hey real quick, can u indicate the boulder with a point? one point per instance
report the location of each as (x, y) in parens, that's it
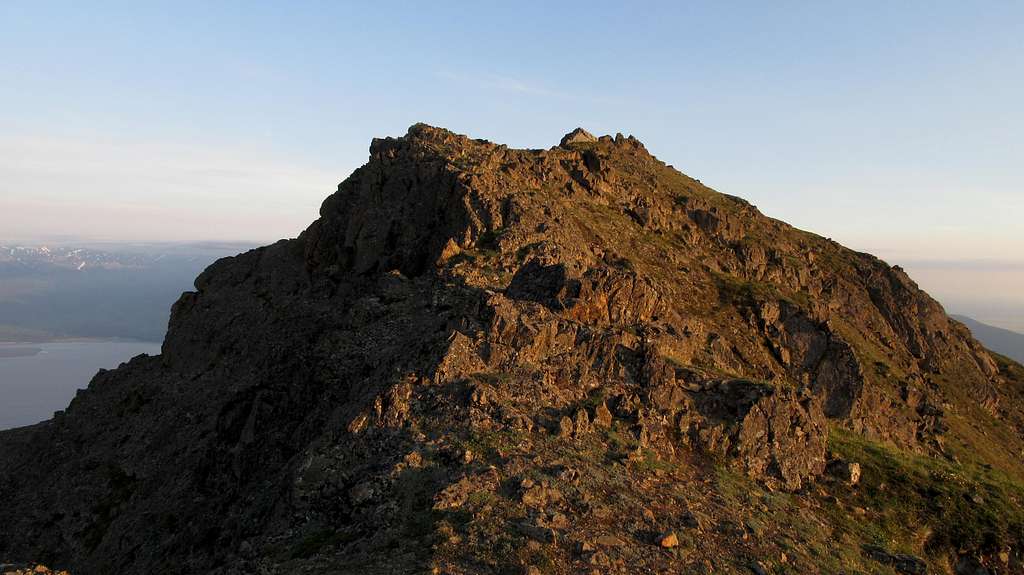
(602, 416)
(900, 562)
(668, 540)
(845, 471)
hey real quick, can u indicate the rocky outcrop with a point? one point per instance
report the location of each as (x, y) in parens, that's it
(776, 435)
(485, 360)
(577, 136)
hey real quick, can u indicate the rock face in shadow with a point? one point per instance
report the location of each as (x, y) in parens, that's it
(776, 435)
(468, 359)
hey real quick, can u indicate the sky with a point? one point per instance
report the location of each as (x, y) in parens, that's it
(892, 127)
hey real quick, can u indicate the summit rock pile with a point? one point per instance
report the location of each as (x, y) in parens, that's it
(488, 360)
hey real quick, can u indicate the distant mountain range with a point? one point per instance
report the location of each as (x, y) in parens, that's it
(97, 290)
(997, 339)
(78, 259)
(17, 258)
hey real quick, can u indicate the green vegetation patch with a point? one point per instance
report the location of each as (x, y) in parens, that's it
(742, 292)
(489, 444)
(489, 239)
(962, 506)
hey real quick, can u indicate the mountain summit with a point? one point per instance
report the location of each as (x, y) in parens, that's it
(488, 360)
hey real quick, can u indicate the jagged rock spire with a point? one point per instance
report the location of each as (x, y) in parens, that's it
(577, 136)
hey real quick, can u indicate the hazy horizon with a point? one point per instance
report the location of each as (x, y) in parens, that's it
(985, 290)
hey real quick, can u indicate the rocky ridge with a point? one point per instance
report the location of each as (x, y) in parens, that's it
(488, 360)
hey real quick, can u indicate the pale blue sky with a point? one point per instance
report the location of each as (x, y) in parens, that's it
(893, 127)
